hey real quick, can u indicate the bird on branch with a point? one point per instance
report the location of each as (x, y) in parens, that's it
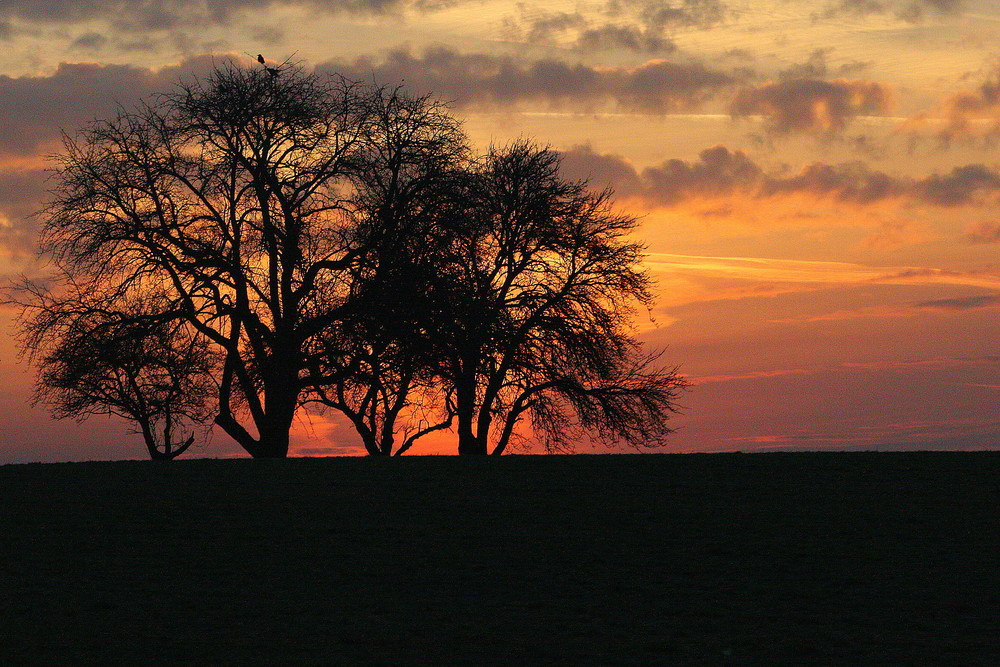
(273, 71)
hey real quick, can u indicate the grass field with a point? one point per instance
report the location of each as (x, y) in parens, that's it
(834, 559)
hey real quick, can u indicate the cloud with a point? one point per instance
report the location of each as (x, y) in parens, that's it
(852, 182)
(911, 11)
(142, 15)
(89, 41)
(659, 14)
(36, 108)
(631, 38)
(642, 26)
(720, 172)
(812, 105)
(963, 303)
(816, 66)
(966, 114)
(544, 26)
(657, 86)
(21, 194)
(959, 186)
(984, 232)
(756, 375)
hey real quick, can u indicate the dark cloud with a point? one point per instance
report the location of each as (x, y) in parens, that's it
(717, 173)
(581, 163)
(848, 182)
(665, 15)
(720, 172)
(548, 25)
(984, 232)
(658, 86)
(962, 303)
(89, 41)
(631, 38)
(912, 11)
(36, 108)
(815, 67)
(812, 105)
(642, 26)
(740, 54)
(960, 185)
(165, 14)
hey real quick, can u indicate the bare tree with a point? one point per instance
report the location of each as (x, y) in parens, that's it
(141, 364)
(410, 189)
(544, 282)
(232, 196)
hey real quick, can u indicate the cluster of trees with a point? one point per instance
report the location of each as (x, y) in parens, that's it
(260, 242)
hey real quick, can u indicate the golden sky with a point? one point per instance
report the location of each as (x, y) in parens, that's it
(818, 182)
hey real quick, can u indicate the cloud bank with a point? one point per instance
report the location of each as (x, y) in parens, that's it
(720, 172)
(497, 81)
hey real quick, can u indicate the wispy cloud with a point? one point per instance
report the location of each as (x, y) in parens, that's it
(757, 375)
(963, 303)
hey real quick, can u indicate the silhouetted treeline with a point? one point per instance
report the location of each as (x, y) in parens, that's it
(267, 240)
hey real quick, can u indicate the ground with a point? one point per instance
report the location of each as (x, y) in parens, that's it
(763, 559)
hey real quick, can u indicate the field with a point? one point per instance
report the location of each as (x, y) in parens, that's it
(808, 558)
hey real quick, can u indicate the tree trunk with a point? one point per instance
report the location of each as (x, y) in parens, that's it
(465, 407)
(273, 442)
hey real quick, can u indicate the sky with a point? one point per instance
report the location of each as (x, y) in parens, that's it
(817, 184)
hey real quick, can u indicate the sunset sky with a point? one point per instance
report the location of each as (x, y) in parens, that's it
(817, 182)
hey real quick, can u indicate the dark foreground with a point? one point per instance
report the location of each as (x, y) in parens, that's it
(704, 559)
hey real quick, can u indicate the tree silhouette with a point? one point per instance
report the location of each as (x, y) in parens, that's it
(228, 195)
(141, 364)
(544, 283)
(410, 189)
(251, 244)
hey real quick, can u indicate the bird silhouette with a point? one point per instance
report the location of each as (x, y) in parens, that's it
(260, 59)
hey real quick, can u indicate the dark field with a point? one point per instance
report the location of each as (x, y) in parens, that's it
(700, 559)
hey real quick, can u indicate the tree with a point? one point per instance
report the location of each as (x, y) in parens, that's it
(236, 197)
(410, 186)
(544, 281)
(139, 364)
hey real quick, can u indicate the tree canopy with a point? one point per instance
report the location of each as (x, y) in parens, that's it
(264, 241)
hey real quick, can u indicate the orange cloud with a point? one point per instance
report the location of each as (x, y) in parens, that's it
(966, 114)
(983, 232)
